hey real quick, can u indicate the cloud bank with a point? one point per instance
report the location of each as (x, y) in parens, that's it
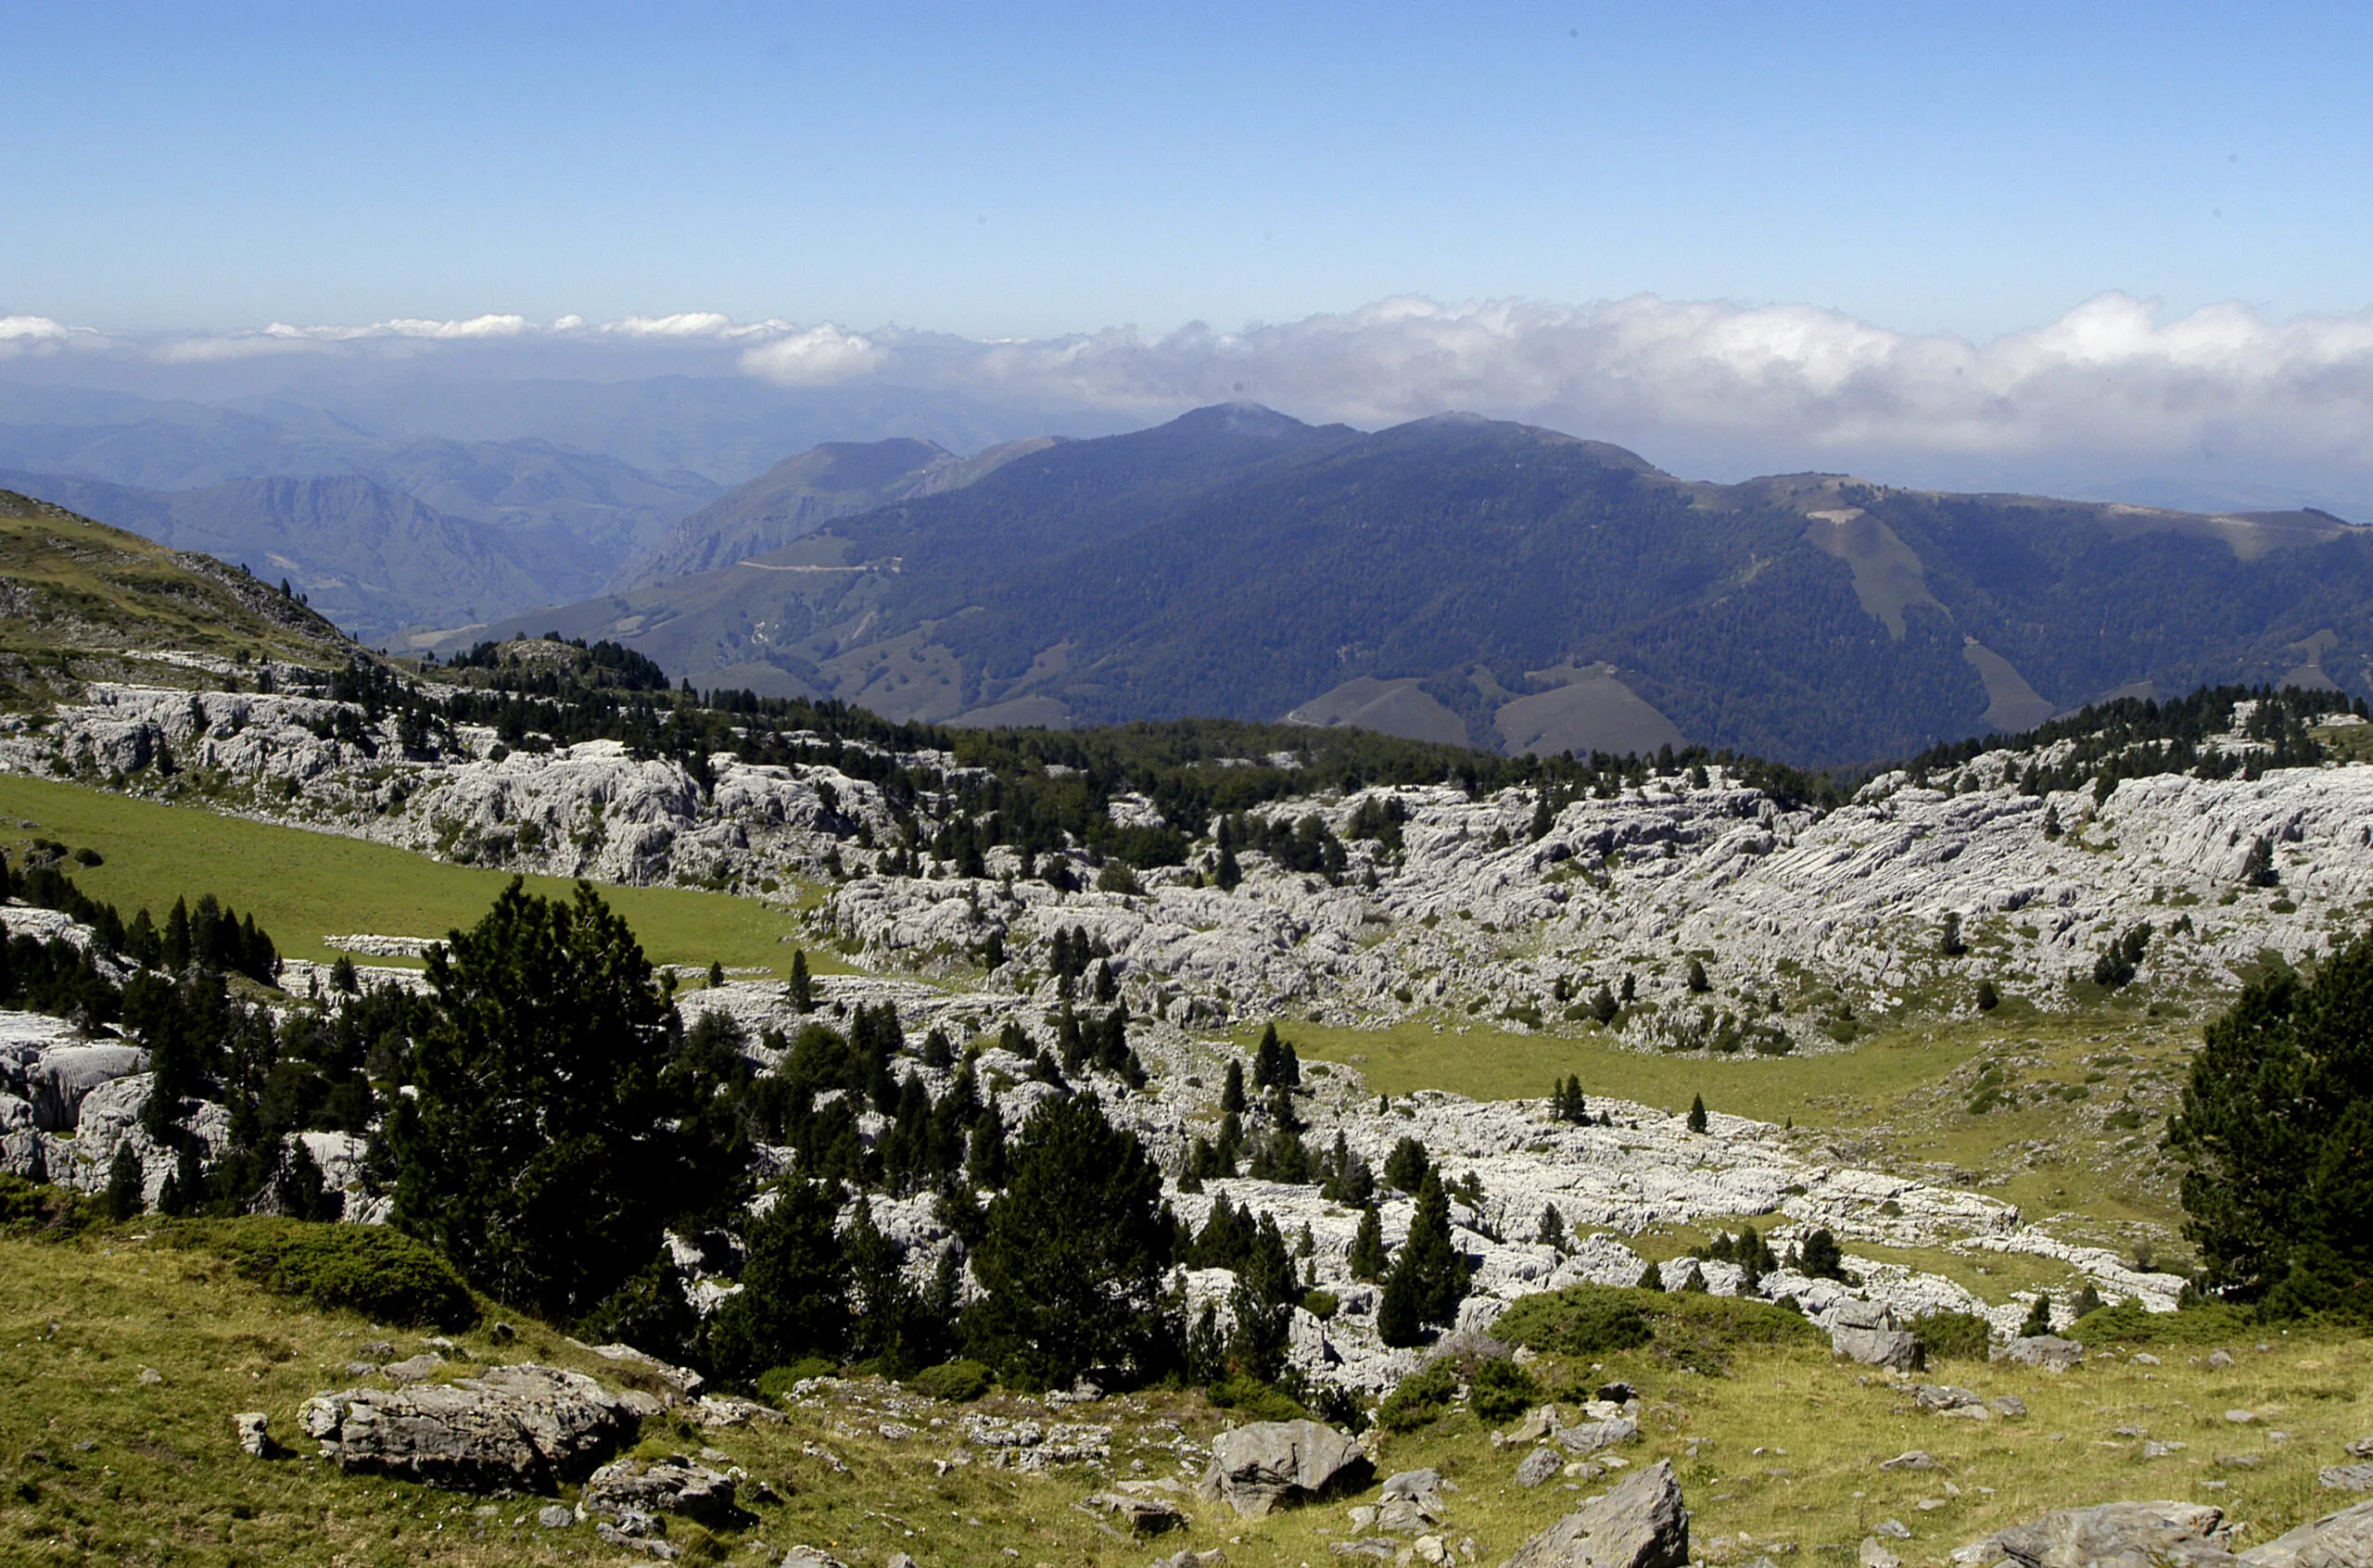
(2116, 381)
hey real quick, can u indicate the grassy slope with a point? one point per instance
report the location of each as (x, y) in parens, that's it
(1788, 1446)
(86, 588)
(303, 886)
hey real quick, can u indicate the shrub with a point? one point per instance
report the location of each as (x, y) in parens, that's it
(1582, 1320)
(1953, 1337)
(1502, 1391)
(776, 1383)
(1262, 1402)
(371, 1270)
(1699, 1332)
(957, 1382)
(2212, 1322)
(1321, 1304)
(1424, 1397)
(31, 1206)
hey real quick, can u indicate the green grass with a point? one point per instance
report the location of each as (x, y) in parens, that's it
(1772, 1439)
(1486, 1064)
(304, 886)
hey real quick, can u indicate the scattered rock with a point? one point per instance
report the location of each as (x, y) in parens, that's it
(2047, 1351)
(255, 1439)
(554, 1516)
(2144, 1358)
(2362, 1449)
(1640, 1523)
(1866, 1331)
(2009, 1406)
(151, 1376)
(415, 1368)
(1915, 1459)
(2240, 1418)
(808, 1557)
(1272, 1464)
(1893, 1529)
(1189, 1558)
(1374, 1546)
(1142, 1515)
(1874, 1554)
(1413, 1499)
(1941, 1397)
(2346, 1477)
(2220, 1358)
(2156, 1449)
(1536, 1424)
(2118, 1534)
(2337, 1540)
(1590, 1437)
(1539, 1466)
(673, 1485)
(523, 1428)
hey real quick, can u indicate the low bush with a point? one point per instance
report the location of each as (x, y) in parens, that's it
(380, 1273)
(1583, 1320)
(1251, 1397)
(1502, 1391)
(1698, 1331)
(1953, 1337)
(2213, 1323)
(776, 1383)
(31, 1207)
(1424, 1397)
(957, 1382)
(1321, 1304)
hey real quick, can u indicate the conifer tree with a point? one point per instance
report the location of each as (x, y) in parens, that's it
(793, 1300)
(178, 950)
(1405, 1167)
(1232, 1101)
(1428, 1277)
(2039, 1317)
(984, 1154)
(1652, 1278)
(123, 1197)
(1369, 1259)
(1602, 1005)
(1552, 1228)
(1697, 1114)
(1073, 1260)
(1698, 983)
(1263, 1302)
(803, 986)
(1821, 1256)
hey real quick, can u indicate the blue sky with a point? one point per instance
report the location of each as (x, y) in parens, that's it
(1029, 171)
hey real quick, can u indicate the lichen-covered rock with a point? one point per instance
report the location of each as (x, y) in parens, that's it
(2117, 1535)
(2337, 1540)
(512, 1429)
(674, 1484)
(1640, 1523)
(1274, 1465)
(2047, 1351)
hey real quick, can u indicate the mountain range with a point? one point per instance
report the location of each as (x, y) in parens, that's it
(1464, 579)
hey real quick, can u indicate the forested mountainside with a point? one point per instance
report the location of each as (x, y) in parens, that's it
(1514, 589)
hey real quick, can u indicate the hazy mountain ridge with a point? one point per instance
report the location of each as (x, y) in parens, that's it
(1240, 563)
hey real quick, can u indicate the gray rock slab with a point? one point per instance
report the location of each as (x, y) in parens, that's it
(514, 1429)
(1274, 1465)
(2337, 1540)
(1640, 1523)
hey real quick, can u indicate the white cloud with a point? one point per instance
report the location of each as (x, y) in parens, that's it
(815, 358)
(692, 323)
(31, 334)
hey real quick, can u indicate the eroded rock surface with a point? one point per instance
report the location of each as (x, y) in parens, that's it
(512, 1429)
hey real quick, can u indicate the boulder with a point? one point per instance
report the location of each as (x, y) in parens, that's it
(65, 1076)
(1590, 1437)
(2346, 1477)
(1413, 1499)
(2048, 1351)
(1640, 1523)
(1539, 1466)
(514, 1429)
(808, 1557)
(674, 1484)
(1142, 1515)
(1273, 1465)
(2118, 1534)
(1874, 1554)
(2337, 1540)
(1942, 1397)
(254, 1430)
(1865, 1331)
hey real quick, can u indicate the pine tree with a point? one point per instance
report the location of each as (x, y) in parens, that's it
(803, 987)
(123, 1197)
(2088, 1302)
(177, 950)
(1368, 1259)
(1652, 1278)
(540, 1149)
(1698, 983)
(795, 1297)
(1552, 1228)
(1821, 1258)
(716, 974)
(1266, 1067)
(1405, 1167)
(2038, 1316)
(1602, 1005)
(1232, 1101)
(1428, 1277)
(1697, 1114)
(984, 1156)
(1072, 1264)
(1227, 875)
(1263, 1302)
